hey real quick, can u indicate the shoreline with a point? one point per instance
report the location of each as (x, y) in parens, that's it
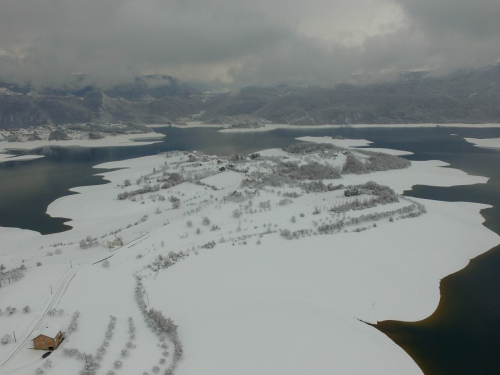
(125, 140)
(270, 127)
(487, 143)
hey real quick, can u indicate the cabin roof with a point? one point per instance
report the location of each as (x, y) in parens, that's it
(50, 330)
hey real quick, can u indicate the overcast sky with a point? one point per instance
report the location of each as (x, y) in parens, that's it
(242, 42)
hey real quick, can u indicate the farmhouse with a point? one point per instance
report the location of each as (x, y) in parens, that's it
(48, 337)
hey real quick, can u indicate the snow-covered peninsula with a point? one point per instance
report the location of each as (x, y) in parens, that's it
(268, 263)
(485, 142)
(131, 139)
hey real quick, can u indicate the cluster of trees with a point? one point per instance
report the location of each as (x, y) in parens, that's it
(164, 262)
(413, 210)
(160, 325)
(13, 274)
(296, 234)
(379, 194)
(118, 364)
(291, 173)
(172, 180)
(143, 190)
(88, 242)
(92, 363)
(375, 162)
(209, 245)
(176, 202)
(309, 147)
(310, 171)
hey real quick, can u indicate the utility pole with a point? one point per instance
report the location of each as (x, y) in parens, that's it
(14, 336)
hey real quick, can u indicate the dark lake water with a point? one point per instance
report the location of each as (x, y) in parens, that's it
(462, 336)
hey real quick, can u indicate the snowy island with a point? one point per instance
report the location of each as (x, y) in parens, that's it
(268, 263)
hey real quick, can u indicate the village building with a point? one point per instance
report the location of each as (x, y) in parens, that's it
(48, 338)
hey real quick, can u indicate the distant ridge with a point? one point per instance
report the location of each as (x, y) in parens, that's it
(465, 96)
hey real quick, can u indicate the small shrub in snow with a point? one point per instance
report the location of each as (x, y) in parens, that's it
(70, 352)
(39, 371)
(54, 312)
(236, 214)
(88, 242)
(117, 364)
(286, 233)
(293, 219)
(189, 223)
(6, 339)
(125, 353)
(26, 309)
(206, 221)
(105, 264)
(38, 264)
(209, 245)
(10, 310)
(48, 363)
(58, 251)
(156, 369)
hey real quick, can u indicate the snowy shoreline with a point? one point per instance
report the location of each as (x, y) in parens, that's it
(485, 143)
(111, 141)
(270, 127)
(256, 302)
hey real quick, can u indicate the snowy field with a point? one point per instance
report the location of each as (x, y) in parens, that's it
(267, 263)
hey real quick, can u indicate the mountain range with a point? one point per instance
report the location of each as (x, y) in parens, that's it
(465, 96)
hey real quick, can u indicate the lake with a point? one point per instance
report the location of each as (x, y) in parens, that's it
(461, 337)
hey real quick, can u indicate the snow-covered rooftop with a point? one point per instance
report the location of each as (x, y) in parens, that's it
(50, 330)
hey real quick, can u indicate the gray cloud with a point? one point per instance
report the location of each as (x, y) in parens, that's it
(110, 41)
